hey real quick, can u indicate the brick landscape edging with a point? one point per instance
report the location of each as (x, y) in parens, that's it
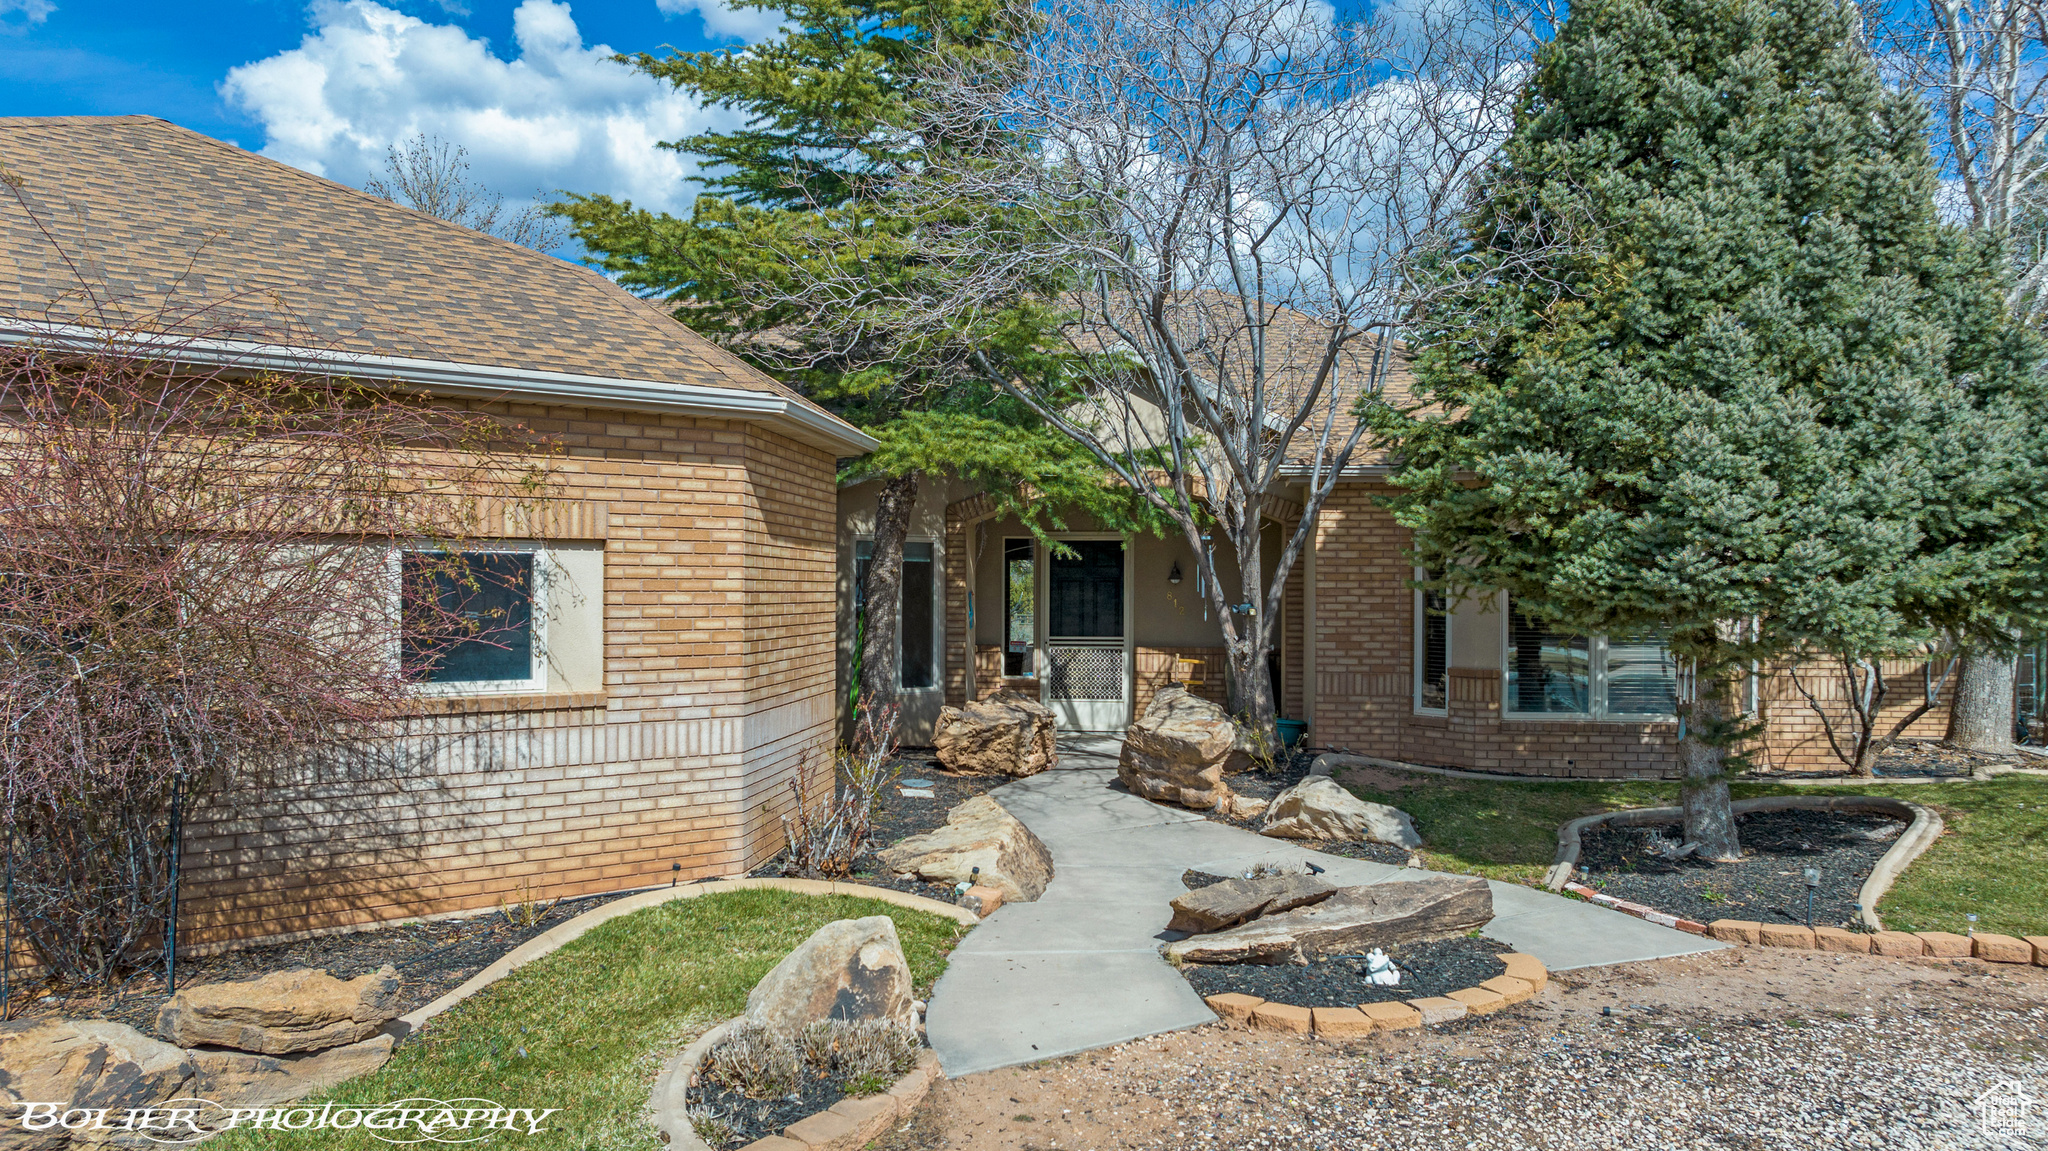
(1991, 948)
(845, 1126)
(1639, 910)
(1923, 829)
(1524, 977)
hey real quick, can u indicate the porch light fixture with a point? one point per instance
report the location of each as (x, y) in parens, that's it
(1174, 575)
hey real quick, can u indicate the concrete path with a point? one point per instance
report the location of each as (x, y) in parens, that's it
(1080, 968)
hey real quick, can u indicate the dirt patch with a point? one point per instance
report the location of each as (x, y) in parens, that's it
(1714, 1051)
(1428, 967)
(1768, 884)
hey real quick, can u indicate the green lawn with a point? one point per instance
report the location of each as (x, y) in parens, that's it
(1991, 861)
(587, 1028)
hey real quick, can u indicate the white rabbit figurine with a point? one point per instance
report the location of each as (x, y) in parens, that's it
(1380, 970)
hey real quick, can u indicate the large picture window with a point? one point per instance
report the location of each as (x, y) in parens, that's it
(468, 620)
(1553, 673)
(917, 660)
(1432, 649)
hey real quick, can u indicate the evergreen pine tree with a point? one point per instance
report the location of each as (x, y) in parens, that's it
(809, 172)
(1728, 366)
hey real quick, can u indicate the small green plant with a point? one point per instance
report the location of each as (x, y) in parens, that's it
(714, 1129)
(869, 1084)
(754, 1061)
(528, 912)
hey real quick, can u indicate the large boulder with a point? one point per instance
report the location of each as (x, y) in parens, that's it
(286, 1011)
(88, 1063)
(978, 833)
(1236, 901)
(1351, 921)
(1005, 734)
(1317, 808)
(246, 1079)
(1179, 751)
(852, 969)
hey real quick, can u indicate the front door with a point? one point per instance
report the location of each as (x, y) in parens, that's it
(1087, 654)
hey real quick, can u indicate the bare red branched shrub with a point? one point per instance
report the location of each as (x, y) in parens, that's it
(200, 588)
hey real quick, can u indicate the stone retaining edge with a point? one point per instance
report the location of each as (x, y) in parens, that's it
(1925, 827)
(1326, 760)
(844, 1126)
(555, 937)
(1639, 910)
(1504, 990)
(1989, 947)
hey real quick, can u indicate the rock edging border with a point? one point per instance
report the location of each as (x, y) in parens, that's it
(1524, 978)
(1925, 827)
(1326, 760)
(556, 937)
(844, 1126)
(1991, 948)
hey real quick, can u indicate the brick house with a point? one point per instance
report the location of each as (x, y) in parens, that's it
(651, 736)
(1373, 665)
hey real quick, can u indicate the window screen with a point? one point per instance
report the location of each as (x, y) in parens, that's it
(467, 618)
(1433, 660)
(1548, 671)
(1087, 590)
(1642, 678)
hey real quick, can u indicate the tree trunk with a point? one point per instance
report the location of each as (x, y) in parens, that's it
(1981, 717)
(1703, 790)
(882, 589)
(1252, 689)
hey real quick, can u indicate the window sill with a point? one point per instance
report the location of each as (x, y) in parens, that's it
(497, 704)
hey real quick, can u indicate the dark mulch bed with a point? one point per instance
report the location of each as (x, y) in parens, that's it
(755, 1119)
(432, 959)
(1428, 967)
(1767, 885)
(897, 817)
(1278, 778)
(1917, 759)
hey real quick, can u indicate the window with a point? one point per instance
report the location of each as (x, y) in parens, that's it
(469, 620)
(917, 654)
(1550, 672)
(1432, 649)
(1020, 608)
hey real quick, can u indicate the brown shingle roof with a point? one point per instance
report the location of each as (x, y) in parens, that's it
(159, 219)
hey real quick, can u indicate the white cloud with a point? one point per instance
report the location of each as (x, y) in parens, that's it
(556, 115)
(30, 11)
(724, 21)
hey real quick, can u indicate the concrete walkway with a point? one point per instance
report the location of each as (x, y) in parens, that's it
(1080, 967)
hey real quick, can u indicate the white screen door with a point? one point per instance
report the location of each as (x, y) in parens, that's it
(1087, 672)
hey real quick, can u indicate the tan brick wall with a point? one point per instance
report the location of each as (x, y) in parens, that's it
(718, 617)
(1364, 682)
(1155, 667)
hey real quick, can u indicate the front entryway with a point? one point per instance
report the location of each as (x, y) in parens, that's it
(1087, 636)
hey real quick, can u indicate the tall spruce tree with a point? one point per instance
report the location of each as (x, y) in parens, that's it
(806, 175)
(1731, 405)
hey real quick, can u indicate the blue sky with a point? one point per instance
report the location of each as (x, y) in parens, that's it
(523, 84)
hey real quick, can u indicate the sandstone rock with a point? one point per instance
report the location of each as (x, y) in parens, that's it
(1179, 750)
(88, 1063)
(850, 969)
(1350, 921)
(302, 1010)
(246, 1079)
(1236, 901)
(981, 899)
(1318, 808)
(1005, 734)
(978, 833)
(1246, 807)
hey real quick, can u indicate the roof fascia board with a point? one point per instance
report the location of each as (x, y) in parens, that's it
(450, 377)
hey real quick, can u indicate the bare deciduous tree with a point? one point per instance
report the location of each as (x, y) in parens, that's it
(1241, 207)
(1855, 736)
(432, 176)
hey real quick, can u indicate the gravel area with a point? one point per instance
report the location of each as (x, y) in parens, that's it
(1767, 885)
(1428, 967)
(1722, 1052)
(1281, 776)
(753, 1119)
(898, 816)
(431, 958)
